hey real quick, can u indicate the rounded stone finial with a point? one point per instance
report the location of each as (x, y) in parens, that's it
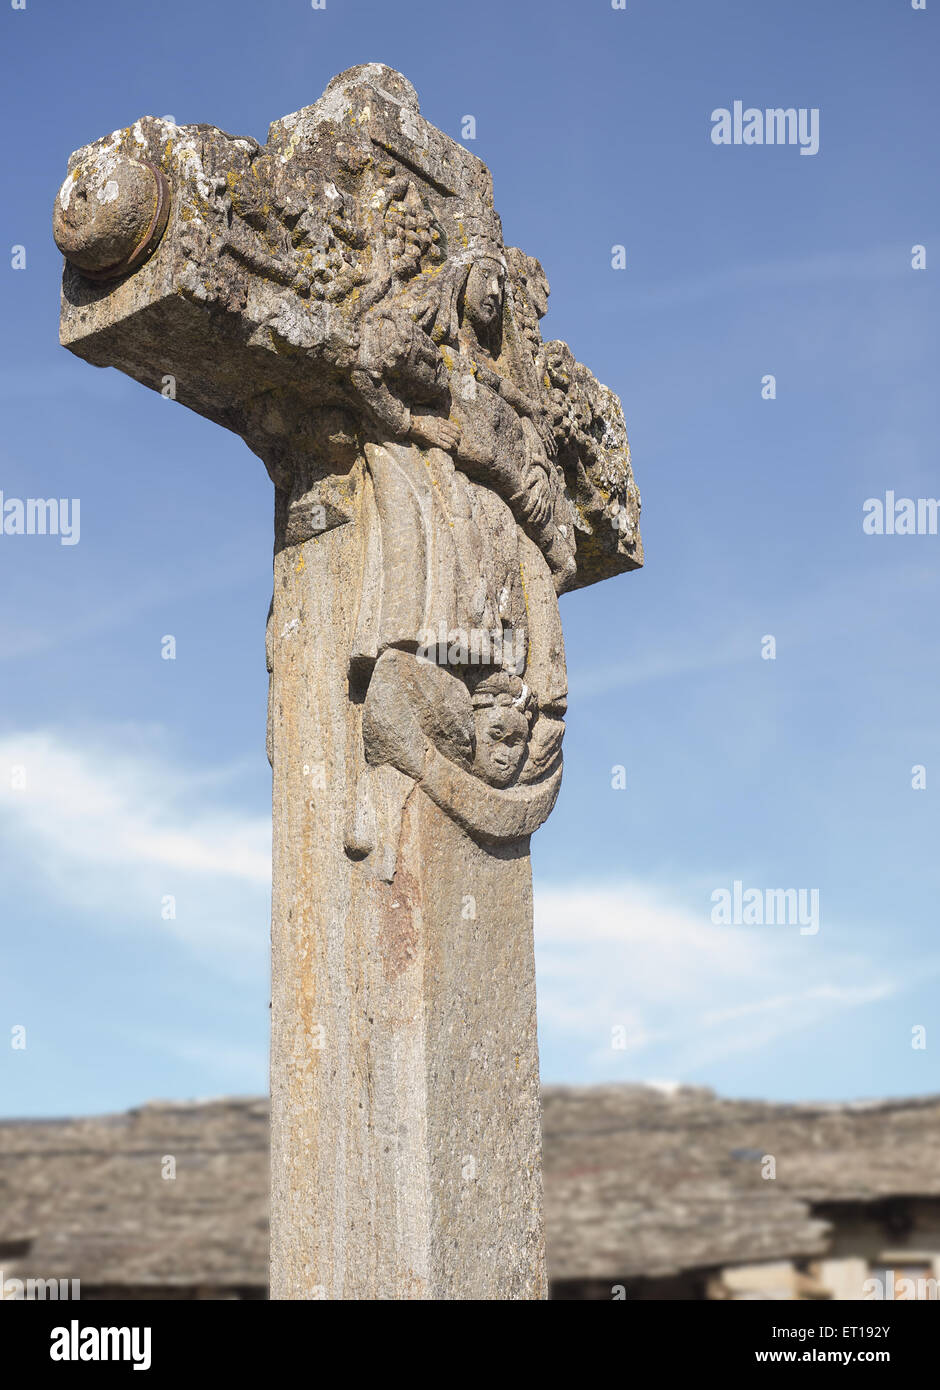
(389, 79)
(110, 215)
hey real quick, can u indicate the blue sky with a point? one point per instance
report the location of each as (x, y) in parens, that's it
(147, 777)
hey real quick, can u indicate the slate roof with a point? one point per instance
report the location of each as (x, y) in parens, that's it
(638, 1182)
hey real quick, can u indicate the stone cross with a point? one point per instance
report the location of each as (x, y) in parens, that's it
(342, 299)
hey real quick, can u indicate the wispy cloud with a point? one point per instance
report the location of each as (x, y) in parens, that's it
(820, 268)
(111, 833)
(682, 992)
(807, 619)
(105, 832)
(681, 658)
(231, 1064)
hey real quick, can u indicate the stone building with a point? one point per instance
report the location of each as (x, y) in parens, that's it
(689, 1196)
(650, 1194)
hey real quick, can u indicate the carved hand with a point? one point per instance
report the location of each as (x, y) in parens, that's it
(511, 393)
(536, 499)
(434, 432)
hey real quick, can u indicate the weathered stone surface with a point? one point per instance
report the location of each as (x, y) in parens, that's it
(341, 298)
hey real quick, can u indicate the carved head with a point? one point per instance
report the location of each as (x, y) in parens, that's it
(483, 296)
(502, 716)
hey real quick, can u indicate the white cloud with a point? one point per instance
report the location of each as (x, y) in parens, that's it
(107, 808)
(106, 833)
(110, 833)
(685, 992)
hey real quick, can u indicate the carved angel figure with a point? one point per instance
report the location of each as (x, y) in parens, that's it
(462, 537)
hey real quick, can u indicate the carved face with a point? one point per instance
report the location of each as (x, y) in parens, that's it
(483, 295)
(502, 732)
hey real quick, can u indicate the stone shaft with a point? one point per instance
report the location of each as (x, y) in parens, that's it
(404, 1061)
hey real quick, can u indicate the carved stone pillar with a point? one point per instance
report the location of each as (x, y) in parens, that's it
(342, 299)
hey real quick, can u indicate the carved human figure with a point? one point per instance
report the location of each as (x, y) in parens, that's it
(478, 460)
(463, 524)
(479, 338)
